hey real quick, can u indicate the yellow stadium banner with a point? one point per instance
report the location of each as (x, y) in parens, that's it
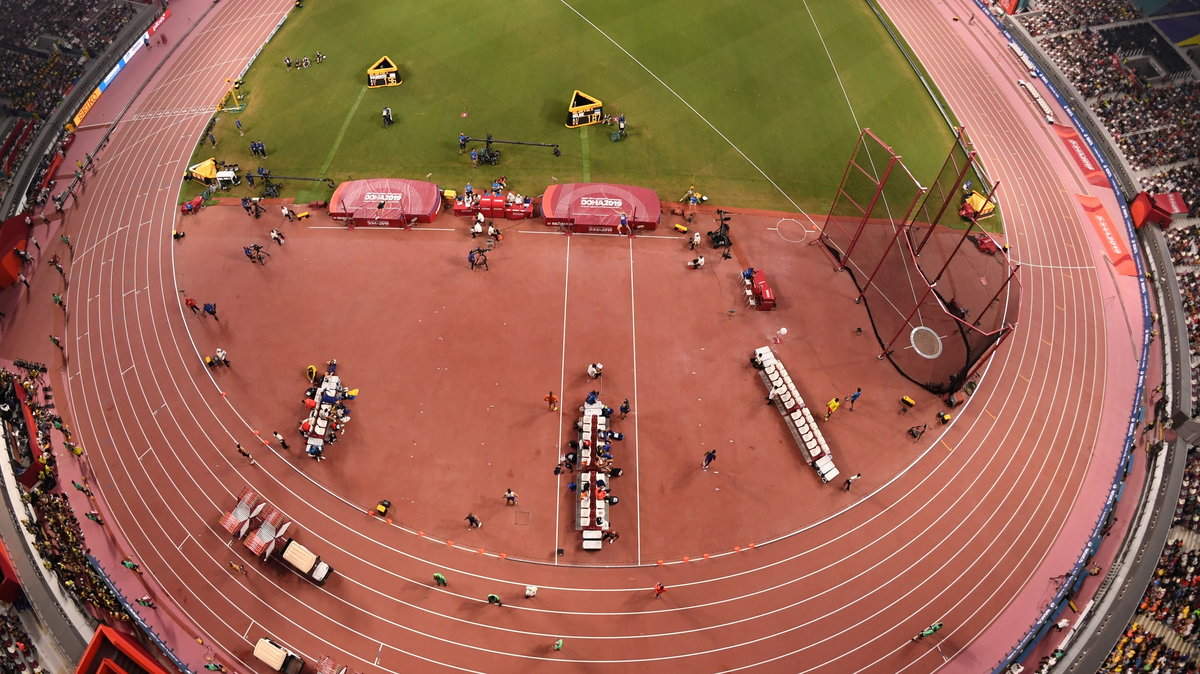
(86, 107)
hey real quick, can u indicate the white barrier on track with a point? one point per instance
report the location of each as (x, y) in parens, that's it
(1024, 58)
(1047, 113)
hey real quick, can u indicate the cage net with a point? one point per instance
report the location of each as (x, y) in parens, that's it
(937, 288)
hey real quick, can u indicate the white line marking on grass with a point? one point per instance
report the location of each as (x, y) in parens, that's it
(684, 101)
(832, 65)
(341, 133)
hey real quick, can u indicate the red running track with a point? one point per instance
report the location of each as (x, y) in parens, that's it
(967, 535)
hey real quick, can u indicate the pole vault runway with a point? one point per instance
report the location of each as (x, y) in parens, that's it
(963, 536)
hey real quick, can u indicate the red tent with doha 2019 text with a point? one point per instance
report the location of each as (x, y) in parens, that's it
(385, 202)
(597, 207)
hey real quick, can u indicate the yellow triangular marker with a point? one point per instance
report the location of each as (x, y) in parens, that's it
(584, 110)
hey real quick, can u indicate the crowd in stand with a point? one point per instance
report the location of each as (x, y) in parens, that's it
(16, 648)
(57, 536)
(59, 541)
(34, 84)
(57, 41)
(1141, 651)
(1084, 59)
(1172, 598)
(1187, 510)
(1156, 126)
(1189, 287)
(1056, 16)
(84, 26)
(1153, 124)
(1185, 251)
(34, 79)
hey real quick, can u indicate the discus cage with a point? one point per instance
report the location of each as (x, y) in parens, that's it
(938, 306)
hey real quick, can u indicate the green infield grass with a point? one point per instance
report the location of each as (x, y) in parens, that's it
(758, 104)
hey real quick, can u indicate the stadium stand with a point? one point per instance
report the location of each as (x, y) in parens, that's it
(1145, 96)
(59, 40)
(1152, 114)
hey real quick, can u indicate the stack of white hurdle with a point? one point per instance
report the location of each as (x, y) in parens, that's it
(786, 398)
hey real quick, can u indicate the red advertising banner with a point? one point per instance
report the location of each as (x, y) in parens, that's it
(1109, 234)
(1171, 202)
(1082, 155)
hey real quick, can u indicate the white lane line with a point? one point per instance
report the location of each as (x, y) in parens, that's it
(562, 396)
(1052, 266)
(89, 249)
(127, 369)
(386, 229)
(637, 473)
(148, 449)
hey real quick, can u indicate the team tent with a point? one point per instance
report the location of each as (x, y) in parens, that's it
(385, 202)
(597, 207)
(205, 171)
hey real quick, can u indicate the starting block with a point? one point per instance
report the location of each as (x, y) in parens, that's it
(681, 228)
(302, 216)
